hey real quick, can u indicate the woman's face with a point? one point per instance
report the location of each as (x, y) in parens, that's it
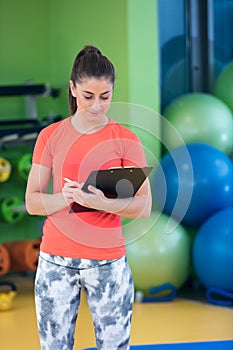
(93, 96)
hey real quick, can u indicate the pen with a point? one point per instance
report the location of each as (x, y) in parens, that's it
(67, 180)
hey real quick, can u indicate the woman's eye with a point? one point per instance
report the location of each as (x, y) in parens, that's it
(91, 97)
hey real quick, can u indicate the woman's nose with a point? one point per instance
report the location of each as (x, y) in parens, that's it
(96, 105)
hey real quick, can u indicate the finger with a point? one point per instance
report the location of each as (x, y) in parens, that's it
(92, 189)
(95, 191)
(68, 197)
(71, 184)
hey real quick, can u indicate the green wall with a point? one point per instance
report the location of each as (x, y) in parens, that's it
(39, 40)
(101, 23)
(143, 53)
(24, 35)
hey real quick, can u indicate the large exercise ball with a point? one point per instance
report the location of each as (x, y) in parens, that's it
(192, 182)
(212, 251)
(223, 87)
(199, 118)
(155, 254)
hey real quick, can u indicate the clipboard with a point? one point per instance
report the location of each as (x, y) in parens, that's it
(122, 182)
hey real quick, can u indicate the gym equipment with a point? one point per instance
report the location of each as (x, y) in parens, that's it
(164, 292)
(24, 165)
(223, 87)
(12, 209)
(212, 251)
(27, 129)
(219, 296)
(157, 256)
(28, 89)
(23, 254)
(192, 189)
(168, 288)
(4, 260)
(22, 130)
(5, 169)
(31, 92)
(6, 299)
(199, 118)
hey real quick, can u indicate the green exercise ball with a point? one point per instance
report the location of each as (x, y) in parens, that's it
(223, 87)
(158, 251)
(198, 118)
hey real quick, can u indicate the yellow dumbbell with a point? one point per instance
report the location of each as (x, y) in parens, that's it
(5, 169)
(6, 299)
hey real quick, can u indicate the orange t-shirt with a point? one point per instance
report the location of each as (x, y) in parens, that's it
(68, 153)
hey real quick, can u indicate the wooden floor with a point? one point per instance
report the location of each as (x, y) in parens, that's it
(177, 321)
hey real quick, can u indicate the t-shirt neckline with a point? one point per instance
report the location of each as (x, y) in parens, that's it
(87, 134)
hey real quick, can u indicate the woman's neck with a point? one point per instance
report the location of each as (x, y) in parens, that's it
(85, 126)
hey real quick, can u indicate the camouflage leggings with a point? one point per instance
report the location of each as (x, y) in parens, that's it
(110, 293)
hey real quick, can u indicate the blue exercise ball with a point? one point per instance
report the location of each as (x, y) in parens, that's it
(192, 182)
(212, 251)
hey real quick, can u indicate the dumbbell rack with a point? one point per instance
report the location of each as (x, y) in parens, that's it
(22, 130)
(27, 129)
(17, 137)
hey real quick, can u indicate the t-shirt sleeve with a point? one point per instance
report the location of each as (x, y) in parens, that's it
(42, 153)
(133, 152)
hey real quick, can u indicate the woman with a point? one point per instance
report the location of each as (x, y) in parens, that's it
(82, 246)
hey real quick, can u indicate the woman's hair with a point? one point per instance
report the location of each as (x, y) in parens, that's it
(89, 63)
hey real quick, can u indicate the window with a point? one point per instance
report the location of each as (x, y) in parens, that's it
(195, 44)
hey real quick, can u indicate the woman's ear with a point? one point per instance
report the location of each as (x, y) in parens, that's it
(72, 88)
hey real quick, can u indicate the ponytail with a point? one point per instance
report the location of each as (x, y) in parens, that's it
(89, 63)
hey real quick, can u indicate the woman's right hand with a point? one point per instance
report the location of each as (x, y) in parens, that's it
(38, 201)
(68, 190)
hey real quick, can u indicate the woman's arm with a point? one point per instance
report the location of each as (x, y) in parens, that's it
(138, 206)
(38, 202)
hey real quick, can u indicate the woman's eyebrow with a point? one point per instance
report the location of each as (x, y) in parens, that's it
(91, 93)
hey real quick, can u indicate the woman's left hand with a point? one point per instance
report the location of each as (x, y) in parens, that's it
(137, 206)
(94, 199)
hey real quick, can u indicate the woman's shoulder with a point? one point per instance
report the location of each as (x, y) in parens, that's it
(51, 128)
(123, 131)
